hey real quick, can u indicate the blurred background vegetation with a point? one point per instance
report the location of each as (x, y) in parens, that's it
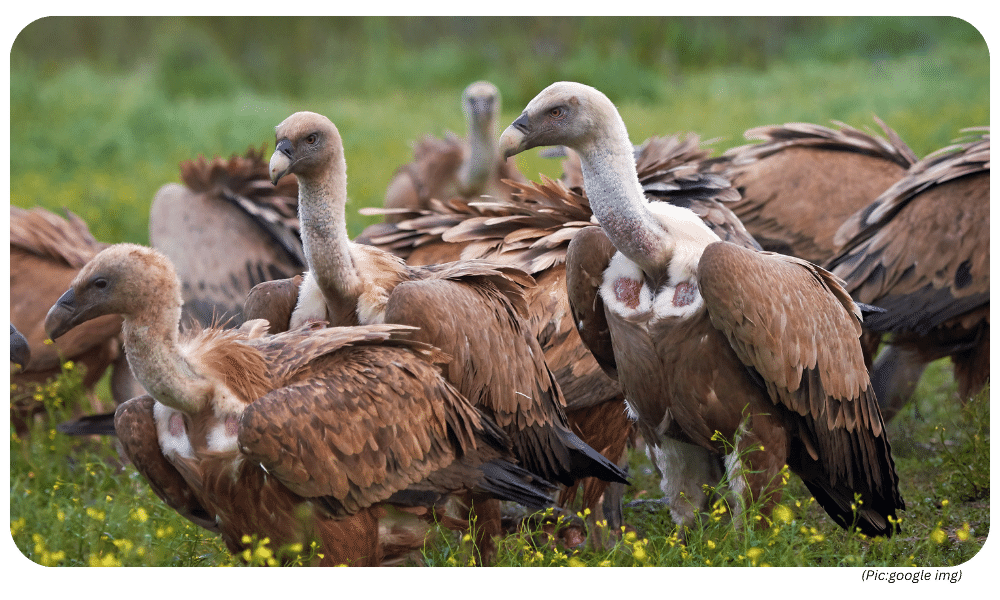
(104, 108)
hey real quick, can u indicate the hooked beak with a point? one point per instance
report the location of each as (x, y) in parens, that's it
(513, 139)
(64, 315)
(20, 351)
(281, 160)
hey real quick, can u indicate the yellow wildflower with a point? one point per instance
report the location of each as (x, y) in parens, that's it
(964, 533)
(938, 536)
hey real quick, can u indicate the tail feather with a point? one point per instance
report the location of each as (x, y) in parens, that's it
(102, 424)
(506, 481)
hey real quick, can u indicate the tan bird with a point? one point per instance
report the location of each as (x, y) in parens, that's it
(301, 436)
(707, 336)
(800, 182)
(453, 167)
(920, 252)
(226, 228)
(46, 252)
(532, 230)
(473, 310)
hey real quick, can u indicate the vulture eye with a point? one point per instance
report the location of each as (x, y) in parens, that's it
(557, 112)
(100, 283)
(311, 138)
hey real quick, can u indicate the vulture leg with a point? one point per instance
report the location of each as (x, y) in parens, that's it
(894, 378)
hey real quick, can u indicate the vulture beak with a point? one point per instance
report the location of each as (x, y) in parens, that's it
(20, 352)
(281, 160)
(66, 314)
(513, 139)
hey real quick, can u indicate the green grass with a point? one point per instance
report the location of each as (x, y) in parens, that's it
(75, 503)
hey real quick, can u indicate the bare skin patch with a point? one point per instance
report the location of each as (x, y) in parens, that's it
(627, 291)
(685, 293)
(232, 425)
(176, 424)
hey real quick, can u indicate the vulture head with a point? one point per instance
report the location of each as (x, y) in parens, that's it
(481, 104)
(307, 144)
(123, 279)
(565, 113)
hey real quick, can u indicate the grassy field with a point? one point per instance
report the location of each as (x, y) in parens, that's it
(104, 109)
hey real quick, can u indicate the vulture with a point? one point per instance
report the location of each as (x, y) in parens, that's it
(310, 434)
(801, 181)
(474, 311)
(46, 252)
(733, 361)
(453, 167)
(20, 351)
(531, 230)
(226, 228)
(920, 252)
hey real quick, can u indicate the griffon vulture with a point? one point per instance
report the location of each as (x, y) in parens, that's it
(473, 310)
(531, 230)
(706, 336)
(304, 435)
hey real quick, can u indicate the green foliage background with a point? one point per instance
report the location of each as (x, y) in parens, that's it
(104, 108)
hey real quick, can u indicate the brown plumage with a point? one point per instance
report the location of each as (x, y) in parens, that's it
(531, 230)
(46, 252)
(473, 310)
(920, 252)
(452, 167)
(801, 181)
(226, 228)
(707, 336)
(295, 437)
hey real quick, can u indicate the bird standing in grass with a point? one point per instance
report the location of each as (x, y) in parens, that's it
(706, 336)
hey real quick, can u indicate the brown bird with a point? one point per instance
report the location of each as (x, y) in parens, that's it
(297, 436)
(801, 182)
(46, 252)
(920, 252)
(226, 228)
(531, 231)
(453, 167)
(473, 310)
(706, 336)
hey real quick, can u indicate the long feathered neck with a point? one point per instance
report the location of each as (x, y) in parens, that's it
(152, 345)
(617, 198)
(483, 156)
(322, 208)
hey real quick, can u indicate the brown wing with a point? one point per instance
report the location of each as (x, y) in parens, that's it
(498, 364)
(273, 301)
(921, 250)
(359, 425)
(802, 181)
(586, 260)
(225, 231)
(137, 433)
(798, 330)
(431, 174)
